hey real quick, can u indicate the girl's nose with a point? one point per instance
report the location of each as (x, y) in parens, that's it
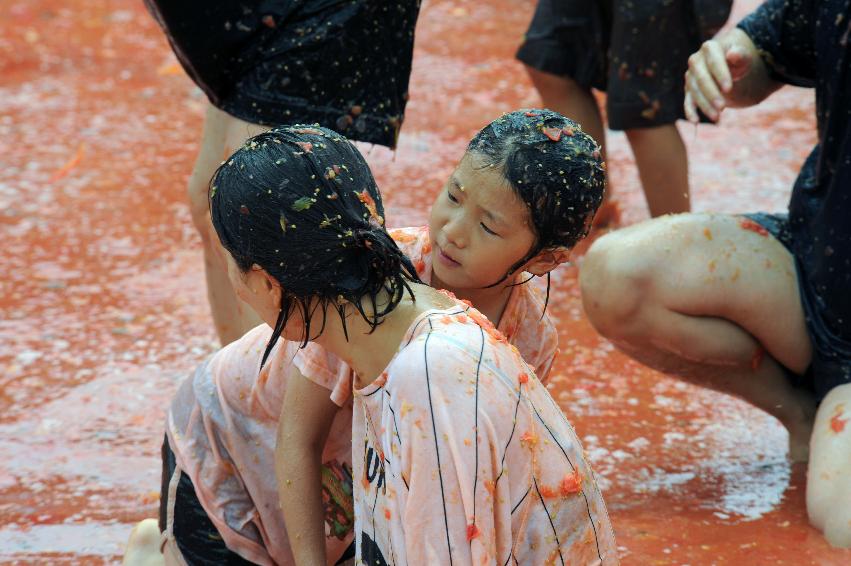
(454, 232)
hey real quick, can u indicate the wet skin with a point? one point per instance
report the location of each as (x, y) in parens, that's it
(103, 308)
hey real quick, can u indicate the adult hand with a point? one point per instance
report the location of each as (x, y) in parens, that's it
(714, 70)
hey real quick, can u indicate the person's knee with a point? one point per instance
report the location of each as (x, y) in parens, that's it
(614, 287)
(829, 473)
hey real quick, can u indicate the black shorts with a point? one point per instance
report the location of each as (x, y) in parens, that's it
(831, 363)
(636, 51)
(197, 537)
(343, 64)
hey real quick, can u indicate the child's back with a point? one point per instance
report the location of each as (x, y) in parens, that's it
(460, 454)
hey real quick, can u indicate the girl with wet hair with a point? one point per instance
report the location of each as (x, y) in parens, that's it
(223, 421)
(523, 195)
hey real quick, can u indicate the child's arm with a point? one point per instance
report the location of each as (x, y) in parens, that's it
(306, 418)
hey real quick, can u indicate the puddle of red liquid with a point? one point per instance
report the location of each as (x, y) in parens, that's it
(103, 309)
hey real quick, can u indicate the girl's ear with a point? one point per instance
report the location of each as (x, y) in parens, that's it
(270, 286)
(547, 260)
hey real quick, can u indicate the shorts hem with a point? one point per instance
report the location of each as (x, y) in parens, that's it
(549, 57)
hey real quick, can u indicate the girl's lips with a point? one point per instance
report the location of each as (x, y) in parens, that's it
(446, 259)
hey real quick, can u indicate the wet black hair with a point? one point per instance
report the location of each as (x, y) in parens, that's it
(554, 167)
(301, 203)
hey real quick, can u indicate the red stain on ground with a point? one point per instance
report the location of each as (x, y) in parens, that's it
(73, 162)
(103, 311)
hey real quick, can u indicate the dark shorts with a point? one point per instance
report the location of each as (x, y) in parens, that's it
(636, 51)
(343, 64)
(831, 363)
(197, 538)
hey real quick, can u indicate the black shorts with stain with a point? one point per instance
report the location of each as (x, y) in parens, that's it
(635, 50)
(197, 537)
(343, 64)
(831, 363)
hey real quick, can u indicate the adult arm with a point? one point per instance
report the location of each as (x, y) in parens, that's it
(726, 72)
(772, 46)
(306, 418)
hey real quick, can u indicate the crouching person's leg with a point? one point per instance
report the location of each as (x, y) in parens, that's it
(710, 298)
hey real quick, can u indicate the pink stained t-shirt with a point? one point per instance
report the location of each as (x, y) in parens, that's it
(524, 323)
(222, 428)
(462, 457)
(222, 424)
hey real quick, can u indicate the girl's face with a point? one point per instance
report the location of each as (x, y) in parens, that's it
(479, 227)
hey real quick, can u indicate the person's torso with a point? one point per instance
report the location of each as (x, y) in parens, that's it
(820, 206)
(459, 417)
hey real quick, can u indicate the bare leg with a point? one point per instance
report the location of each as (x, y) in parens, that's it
(222, 134)
(143, 548)
(566, 97)
(663, 167)
(701, 297)
(829, 474)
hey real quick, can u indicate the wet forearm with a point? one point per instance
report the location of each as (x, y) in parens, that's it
(300, 494)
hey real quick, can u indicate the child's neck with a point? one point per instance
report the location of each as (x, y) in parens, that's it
(368, 352)
(491, 302)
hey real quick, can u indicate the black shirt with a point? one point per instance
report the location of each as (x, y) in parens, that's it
(807, 43)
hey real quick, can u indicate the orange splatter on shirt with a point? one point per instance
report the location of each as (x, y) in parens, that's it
(472, 531)
(486, 325)
(572, 483)
(523, 378)
(547, 492)
(707, 233)
(489, 485)
(401, 236)
(529, 438)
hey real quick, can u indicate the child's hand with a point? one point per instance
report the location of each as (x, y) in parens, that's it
(712, 72)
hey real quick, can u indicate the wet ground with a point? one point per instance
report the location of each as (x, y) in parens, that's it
(103, 309)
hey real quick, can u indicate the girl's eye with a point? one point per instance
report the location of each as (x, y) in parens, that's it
(451, 197)
(488, 230)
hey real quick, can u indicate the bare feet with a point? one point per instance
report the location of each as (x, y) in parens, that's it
(143, 548)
